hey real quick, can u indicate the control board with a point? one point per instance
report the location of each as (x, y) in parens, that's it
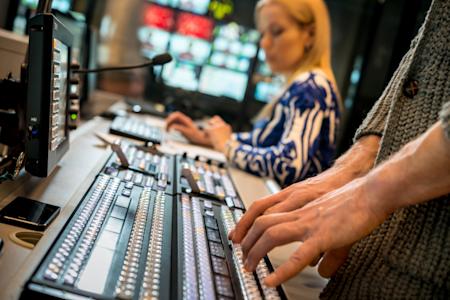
(142, 232)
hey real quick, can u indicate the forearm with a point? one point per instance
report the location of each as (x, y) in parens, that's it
(419, 172)
(355, 163)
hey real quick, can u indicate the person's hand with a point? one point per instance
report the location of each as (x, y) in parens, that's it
(288, 199)
(355, 163)
(188, 128)
(329, 225)
(218, 132)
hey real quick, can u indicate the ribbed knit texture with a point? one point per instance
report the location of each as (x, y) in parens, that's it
(445, 119)
(408, 256)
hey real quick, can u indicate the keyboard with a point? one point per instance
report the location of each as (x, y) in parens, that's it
(135, 235)
(136, 129)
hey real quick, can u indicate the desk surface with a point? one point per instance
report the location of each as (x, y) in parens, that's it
(72, 178)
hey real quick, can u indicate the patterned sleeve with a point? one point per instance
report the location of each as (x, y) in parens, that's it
(288, 160)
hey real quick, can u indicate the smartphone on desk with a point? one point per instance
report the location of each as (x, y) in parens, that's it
(28, 213)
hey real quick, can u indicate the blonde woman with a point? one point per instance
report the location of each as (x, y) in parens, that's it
(294, 135)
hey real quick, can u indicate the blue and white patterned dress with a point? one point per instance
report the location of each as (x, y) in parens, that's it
(298, 141)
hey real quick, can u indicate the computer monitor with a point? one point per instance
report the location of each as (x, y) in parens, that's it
(48, 94)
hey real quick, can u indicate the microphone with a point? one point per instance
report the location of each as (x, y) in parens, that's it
(157, 60)
(162, 59)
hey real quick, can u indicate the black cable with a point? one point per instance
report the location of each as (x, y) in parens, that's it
(160, 59)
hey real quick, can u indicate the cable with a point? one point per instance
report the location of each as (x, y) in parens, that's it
(160, 59)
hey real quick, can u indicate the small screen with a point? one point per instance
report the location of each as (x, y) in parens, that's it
(154, 41)
(159, 17)
(195, 6)
(181, 75)
(222, 82)
(189, 49)
(194, 26)
(173, 3)
(59, 94)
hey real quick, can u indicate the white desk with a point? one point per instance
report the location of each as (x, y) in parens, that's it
(69, 182)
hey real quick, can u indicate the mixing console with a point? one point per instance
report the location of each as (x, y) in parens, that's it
(136, 129)
(207, 178)
(134, 235)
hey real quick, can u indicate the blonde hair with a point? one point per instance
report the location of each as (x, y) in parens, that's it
(307, 12)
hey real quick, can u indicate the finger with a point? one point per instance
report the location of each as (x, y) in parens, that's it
(260, 225)
(172, 118)
(178, 118)
(274, 236)
(332, 260)
(255, 210)
(296, 263)
(293, 202)
(181, 128)
(315, 261)
(215, 119)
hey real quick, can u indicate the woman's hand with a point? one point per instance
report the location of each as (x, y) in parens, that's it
(188, 128)
(218, 132)
(329, 225)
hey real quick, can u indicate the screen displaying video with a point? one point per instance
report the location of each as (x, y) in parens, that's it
(181, 75)
(223, 83)
(194, 26)
(173, 3)
(159, 17)
(196, 6)
(154, 41)
(189, 49)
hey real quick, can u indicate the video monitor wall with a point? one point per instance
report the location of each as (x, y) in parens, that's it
(209, 57)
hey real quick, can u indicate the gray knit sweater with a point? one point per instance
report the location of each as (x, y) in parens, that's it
(408, 256)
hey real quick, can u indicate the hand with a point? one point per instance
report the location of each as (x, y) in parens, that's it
(288, 199)
(355, 163)
(218, 132)
(329, 225)
(188, 128)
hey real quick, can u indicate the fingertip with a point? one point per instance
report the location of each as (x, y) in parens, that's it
(249, 266)
(271, 280)
(231, 234)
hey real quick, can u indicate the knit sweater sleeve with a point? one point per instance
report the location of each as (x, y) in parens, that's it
(445, 118)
